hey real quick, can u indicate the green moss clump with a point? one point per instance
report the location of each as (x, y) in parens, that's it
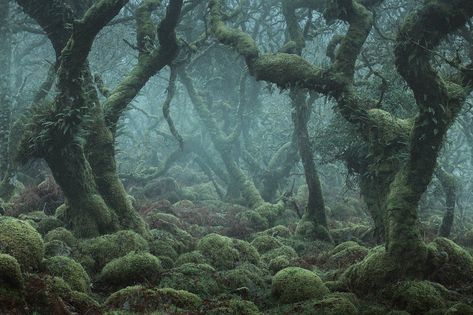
(253, 220)
(245, 276)
(373, 273)
(61, 234)
(22, 241)
(225, 253)
(10, 273)
(452, 266)
(333, 304)
(278, 263)
(344, 212)
(133, 268)
(195, 257)
(294, 284)
(56, 248)
(277, 231)
(69, 270)
(460, 309)
(200, 279)
(310, 231)
(416, 297)
(49, 223)
(155, 220)
(99, 251)
(146, 300)
(285, 251)
(265, 243)
(346, 254)
(179, 239)
(271, 212)
(233, 307)
(162, 248)
(166, 262)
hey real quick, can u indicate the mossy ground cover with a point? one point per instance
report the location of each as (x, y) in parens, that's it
(190, 268)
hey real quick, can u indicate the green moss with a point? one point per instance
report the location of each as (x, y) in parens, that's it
(460, 309)
(200, 279)
(333, 304)
(166, 262)
(343, 211)
(372, 274)
(294, 284)
(278, 263)
(310, 231)
(162, 248)
(56, 248)
(145, 300)
(61, 234)
(20, 240)
(71, 271)
(225, 253)
(416, 297)
(179, 239)
(277, 231)
(104, 248)
(270, 212)
(246, 275)
(10, 273)
(234, 307)
(133, 268)
(49, 223)
(155, 220)
(284, 250)
(346, 254)
(452, 266)
(265, 243)
(195, 257)
(253, 220)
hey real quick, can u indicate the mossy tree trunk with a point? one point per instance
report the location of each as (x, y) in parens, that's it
(447, 180)
(92, 166)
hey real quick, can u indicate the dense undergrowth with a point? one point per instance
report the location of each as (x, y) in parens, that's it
(211, 257)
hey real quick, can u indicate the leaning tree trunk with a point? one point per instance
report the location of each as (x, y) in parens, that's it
(447, 180)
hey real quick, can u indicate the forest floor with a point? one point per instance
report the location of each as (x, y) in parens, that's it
(207, 257)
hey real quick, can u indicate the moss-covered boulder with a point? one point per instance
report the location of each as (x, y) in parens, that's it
(252, 220)
(61, 234)
(294, 284)
(416, 297)
(178, 238)
(133, 268)
(460, 309)
(200, 279)
(49, 223)
(234, 306)
(225, 253)
(452, 265)
(97, 252)
(271, 212)
(310, 231)
(46, 294)
(372, 274)
(162, 248)
(10, 273)
(346, 254)
(265, 243)
(277, 231)
(247, 276)
(20, 240)
(144, 300)
(333, 304)
(56, 248)
(279, 258)
(195, 257)
(69, 270)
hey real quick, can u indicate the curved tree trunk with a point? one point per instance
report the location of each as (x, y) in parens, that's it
(447, 180)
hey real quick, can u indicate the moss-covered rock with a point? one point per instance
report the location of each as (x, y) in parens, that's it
(69, 270)
(195, 257)
(22, 241)
(225, 253)
(265, 243)
(252, 220)
(310, 231)
(333, 304)
(56, 248)
(277, 231)
(133, 268)
(157, 220)
(46, 294)
(49, 223)
(416, 297)
(146, 300)
(233, 306)
(10, 273)
(270, 212)
(279, 263)
(294, 284)
(460, 309)
(61, 234)
(200, 279)
(99, 251)
(346, 254)
(284, 250)
(162, 248)
(179, 239)
(452, 266)
(373, 273)
(245, 276)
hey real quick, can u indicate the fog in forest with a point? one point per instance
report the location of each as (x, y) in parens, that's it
(236, 157)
